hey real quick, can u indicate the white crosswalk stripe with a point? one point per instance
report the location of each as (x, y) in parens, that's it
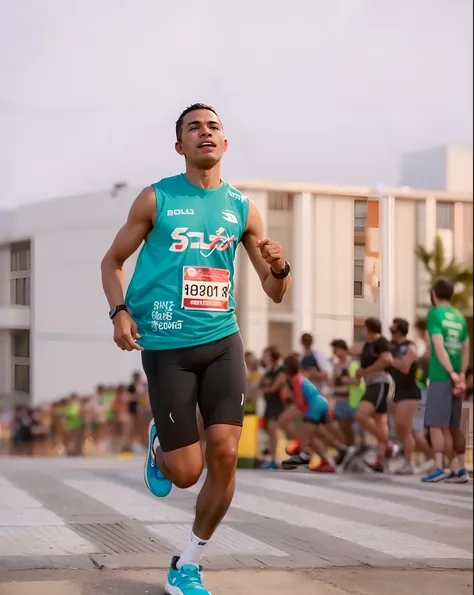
(426, 495)
(345, 498)
(387, 541)
(27, 528)
(129, 502)
(226, 541)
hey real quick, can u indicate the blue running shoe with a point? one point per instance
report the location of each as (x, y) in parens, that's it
(271, 465)
(185, 581)
(155, 481)
(460, 477)
(435, 476)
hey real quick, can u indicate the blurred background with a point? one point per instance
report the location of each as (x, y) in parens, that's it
(350, 125)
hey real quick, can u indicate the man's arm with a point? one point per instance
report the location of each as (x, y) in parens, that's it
(405, 363)
(384, 360)
(126, 242)
(139, 223)
(466, 356)
(262, 250)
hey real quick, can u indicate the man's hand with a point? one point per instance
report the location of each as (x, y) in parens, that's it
(359, 373)
(272, 253)
(126, 332)
(459, 384)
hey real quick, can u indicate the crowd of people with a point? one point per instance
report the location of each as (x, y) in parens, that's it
(371, 393)
(112, 420)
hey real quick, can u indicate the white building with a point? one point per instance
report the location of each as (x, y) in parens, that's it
(55, 334)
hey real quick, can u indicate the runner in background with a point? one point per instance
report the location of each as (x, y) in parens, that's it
(254, 377)
(372, 411)
(315, 365)
(271, 385)
(449, 361)
(312, 409)
(344, 413)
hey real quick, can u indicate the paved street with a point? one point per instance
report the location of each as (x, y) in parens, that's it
(88, 514)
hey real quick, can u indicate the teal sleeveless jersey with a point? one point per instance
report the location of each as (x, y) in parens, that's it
(181, 293)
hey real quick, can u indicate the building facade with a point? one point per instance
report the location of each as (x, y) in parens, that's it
(55, 335)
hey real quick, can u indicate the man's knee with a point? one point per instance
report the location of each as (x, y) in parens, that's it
(185, 467)
(222, 456)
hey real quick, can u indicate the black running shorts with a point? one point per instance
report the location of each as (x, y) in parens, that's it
(212, 376)
(377, 394)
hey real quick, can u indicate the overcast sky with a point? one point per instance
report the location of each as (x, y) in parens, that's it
(329, 91)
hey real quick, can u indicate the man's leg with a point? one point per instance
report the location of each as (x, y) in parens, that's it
(174, 453)
(221, 398)
(459, 473)
(404, 414)
(437, 418)
(216, 494)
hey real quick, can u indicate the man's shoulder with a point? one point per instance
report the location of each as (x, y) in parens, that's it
(169, 184)
(236, 195)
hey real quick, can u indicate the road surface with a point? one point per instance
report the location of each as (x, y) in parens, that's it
(60, 516)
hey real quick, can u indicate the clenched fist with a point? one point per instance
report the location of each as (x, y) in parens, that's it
(272, 253)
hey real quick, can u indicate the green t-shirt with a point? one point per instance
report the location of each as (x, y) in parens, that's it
(355, 392)
(451, 324)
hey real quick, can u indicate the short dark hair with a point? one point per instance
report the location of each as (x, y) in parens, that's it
(273, 352)
(420, 324)
(443, 289)
(401, 325)
(373, 325)
(192, 108)
(306, 339)
(291, 364)
(339, 344)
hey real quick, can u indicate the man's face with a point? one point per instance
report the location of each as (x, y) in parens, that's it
(306, 341)
(339, 353)
(202, 140)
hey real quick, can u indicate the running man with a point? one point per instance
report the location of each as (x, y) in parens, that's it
(407, 393)
(312, 408)
(373, 407)
(449, 349)
(180, 313)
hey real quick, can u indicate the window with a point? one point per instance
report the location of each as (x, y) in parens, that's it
(20, 265)
(21, 379)
(280, 201)
(21, 343)
(444, 215)
(359, 256)
(21, 361)
(360, 336)
(360, 216)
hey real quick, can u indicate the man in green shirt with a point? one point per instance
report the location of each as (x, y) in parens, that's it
(449, 359)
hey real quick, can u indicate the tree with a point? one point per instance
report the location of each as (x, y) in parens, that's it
(436, 265)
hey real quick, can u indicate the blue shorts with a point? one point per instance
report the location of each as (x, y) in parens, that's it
(317, 414)
(343, 410)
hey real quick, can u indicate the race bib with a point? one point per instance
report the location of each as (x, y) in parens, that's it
(205, 288)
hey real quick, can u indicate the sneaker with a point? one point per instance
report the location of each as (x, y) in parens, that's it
(427, 467)
(323, 467)
(295, 461)
(460, 477)
(435, 476)
(293, 448)
(155, 481)
(270, 465)
(184, 581)
(405, 469)
(345, 455)
(377, 466)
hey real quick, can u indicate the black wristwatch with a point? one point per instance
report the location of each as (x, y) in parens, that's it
(284, 273)
(113, 313)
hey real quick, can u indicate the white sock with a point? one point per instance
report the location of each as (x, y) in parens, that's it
(458, 463)
(439, 458)
(193, 553)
